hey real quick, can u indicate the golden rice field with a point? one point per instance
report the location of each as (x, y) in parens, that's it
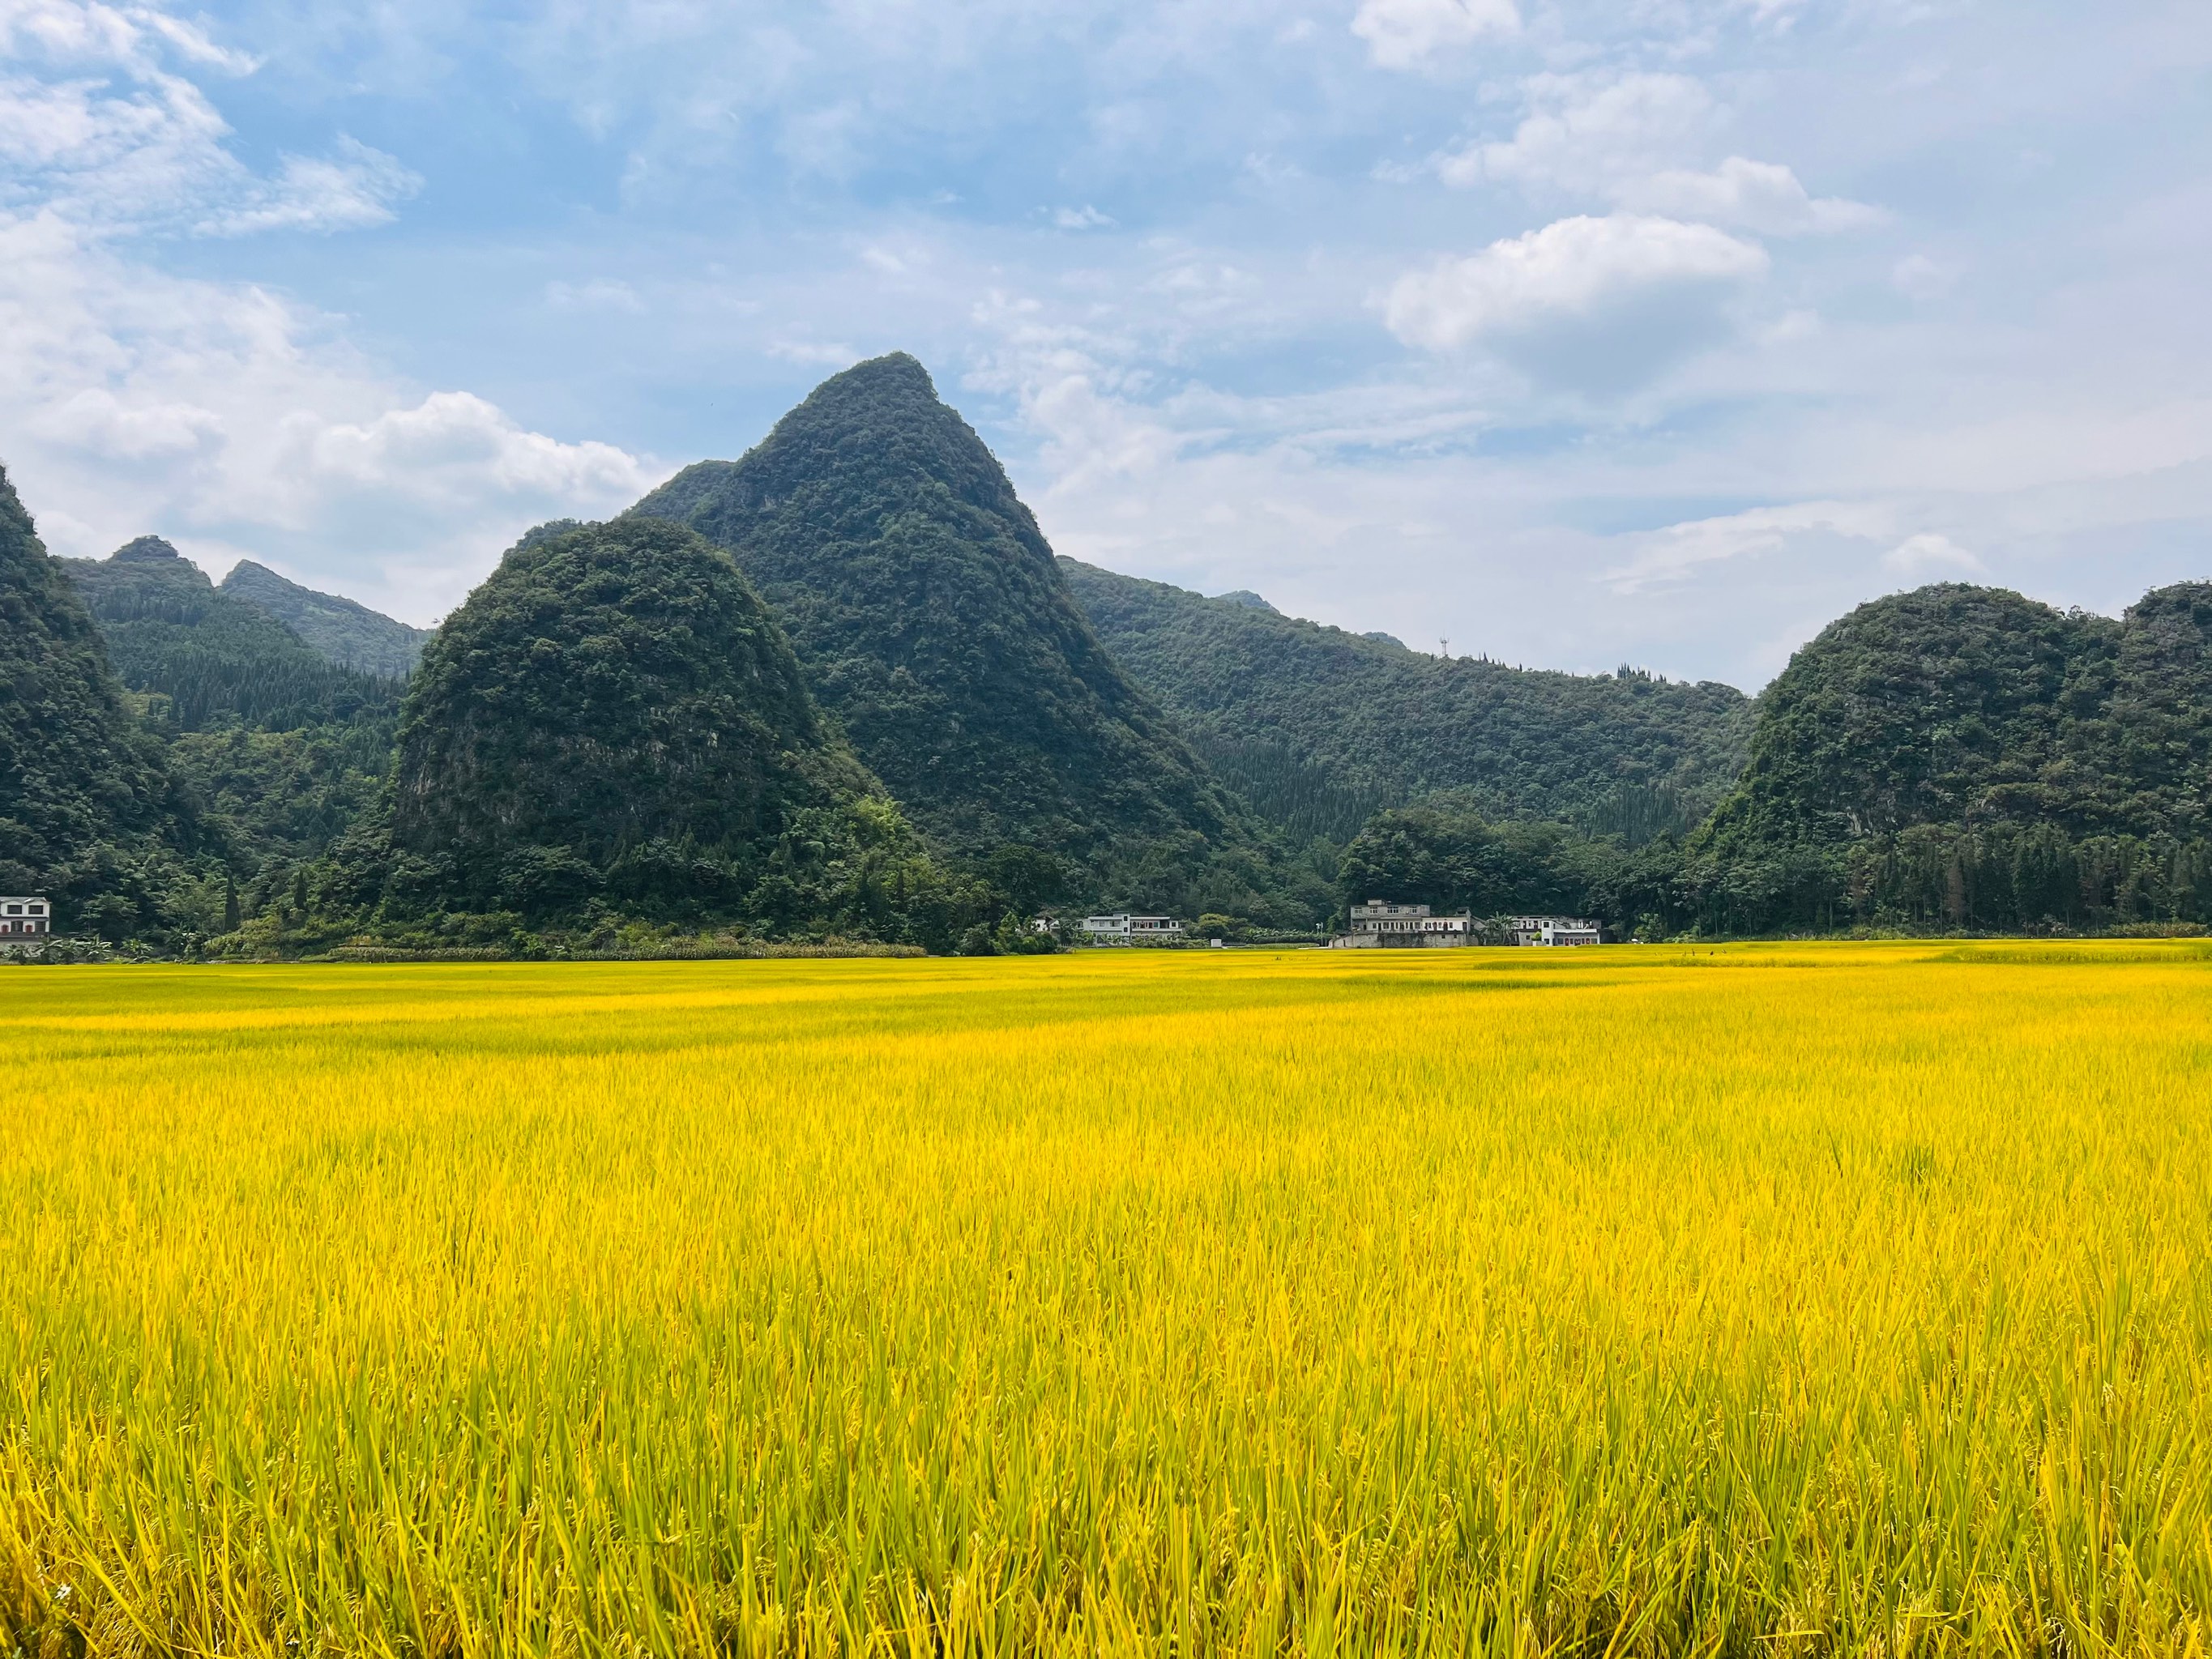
(1761, 1300)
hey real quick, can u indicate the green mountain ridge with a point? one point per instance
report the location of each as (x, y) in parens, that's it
(603, 691)
(343, 632)
(935, 627)
(1964, 755)
(88, 813)
(612, 729)
(1320, 728)
(1973, 705)
(841, 687)
(209, 656)
(283, 748)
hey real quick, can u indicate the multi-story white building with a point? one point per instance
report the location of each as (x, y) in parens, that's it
(1554, 930)
(19, 916)
(1122, 928)
(1376, 925)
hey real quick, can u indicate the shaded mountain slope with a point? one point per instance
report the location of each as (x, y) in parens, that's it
(614, 716)
(1974, 705)
(935, 627)
(1963, 754)
(83, 788)
(208, 657)
(1320, 728)
(282, 746)
(342, 631)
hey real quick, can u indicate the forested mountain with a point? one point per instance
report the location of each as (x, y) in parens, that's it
(614, 728)
(340, 630)
(905, 727)
(1964, 755)
(87, 812)
(205, 657)
(1320, 728)
(284, 747)
(933, 625)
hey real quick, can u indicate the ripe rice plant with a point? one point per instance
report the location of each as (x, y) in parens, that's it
(1758, 1300)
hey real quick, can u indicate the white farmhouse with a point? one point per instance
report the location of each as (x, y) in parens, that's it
(19, 916)
(1379, 924)
(1554, 930)
(1122, 928)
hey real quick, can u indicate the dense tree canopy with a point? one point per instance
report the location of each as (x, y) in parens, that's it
(280, 746)
(1960, 756)
(340, 630)
(615, 715)
(86, 803)
(207, 659)
(1443, 853)
(1319, 727)
(934, 625)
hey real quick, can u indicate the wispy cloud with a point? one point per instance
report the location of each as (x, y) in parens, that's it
(100, 124)
(1929, 552)
(1639, 141)
(1681, 550)
(1406, 34)
(356, 187)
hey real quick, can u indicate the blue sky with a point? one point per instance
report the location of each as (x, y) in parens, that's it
(1660, 331)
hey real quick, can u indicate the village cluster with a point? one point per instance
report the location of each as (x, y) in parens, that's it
(1375, 925)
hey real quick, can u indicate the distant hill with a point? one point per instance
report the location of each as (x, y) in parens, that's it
(934, 626)
(85, 799)
(1320, 728)
(614, 719)
(1964, 754)
(284, 746)
(341, 630)
(208, 656)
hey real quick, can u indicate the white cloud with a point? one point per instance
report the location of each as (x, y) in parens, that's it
(1086, 217)
(1762, 196)
(1575, 267)
(1634, 141)
(1593, 304)
(106, 157)
(1918, 277)
(1093, 439)
(97, 126)
(96, 422)
(219, 415)
(1917, 555)
(1404, 34)
(1585, 133)
(362, 187)
(1671, 554)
